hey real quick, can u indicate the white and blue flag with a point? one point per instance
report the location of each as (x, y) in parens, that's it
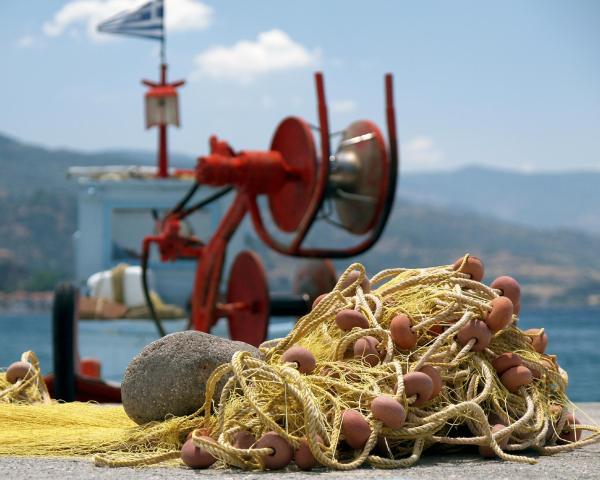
(145, 21)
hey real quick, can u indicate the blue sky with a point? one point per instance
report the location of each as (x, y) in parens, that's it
(512, 84)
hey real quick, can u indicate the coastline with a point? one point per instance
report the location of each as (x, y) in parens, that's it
(25, 302)
(38, 302)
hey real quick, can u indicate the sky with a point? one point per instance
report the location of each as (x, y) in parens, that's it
(512, 84)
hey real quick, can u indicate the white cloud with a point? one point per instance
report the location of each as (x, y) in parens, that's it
(185, 15)
(421, 153)
(272, 51)
(343, 106)
(26, 41)
(180, 15)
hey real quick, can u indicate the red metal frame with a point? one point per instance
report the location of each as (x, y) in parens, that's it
(253, 174)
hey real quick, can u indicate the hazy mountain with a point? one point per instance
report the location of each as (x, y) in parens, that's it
(36, 248)
(25, 167)
(554, 266)
(147, 157)
(438, 217)
(542, 200)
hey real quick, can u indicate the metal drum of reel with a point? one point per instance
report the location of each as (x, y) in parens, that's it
(359, 169)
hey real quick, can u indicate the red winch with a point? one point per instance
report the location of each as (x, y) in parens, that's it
(301, 185)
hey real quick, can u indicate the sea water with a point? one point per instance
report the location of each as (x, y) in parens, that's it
(574, 336)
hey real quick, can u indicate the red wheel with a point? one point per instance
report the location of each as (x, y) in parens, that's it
(294, 140)
(248, 299)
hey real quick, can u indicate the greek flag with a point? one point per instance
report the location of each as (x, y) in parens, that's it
(146, 21)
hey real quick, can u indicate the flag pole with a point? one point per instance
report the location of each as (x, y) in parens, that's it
(163, 55)
(163, 162)
(141, 22)
(163, 59)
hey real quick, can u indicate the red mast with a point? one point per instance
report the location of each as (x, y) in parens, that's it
(162, 109)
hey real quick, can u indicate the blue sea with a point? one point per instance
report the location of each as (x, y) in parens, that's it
(574, 336)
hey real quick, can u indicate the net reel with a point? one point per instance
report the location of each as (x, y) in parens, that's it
(359, 179)
(301, 184)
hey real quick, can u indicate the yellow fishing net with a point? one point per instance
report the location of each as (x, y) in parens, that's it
(474, 407)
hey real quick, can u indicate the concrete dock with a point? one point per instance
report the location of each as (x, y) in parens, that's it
(580, 464)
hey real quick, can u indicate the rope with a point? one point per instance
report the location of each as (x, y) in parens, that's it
(29, 390)
(271, 395)
(298, 406)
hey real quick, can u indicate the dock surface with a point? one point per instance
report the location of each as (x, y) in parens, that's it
(579, 464)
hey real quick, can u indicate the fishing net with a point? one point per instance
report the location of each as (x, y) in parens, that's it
(378, 392)
(27, 385)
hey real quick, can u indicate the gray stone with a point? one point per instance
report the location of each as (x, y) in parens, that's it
(169, 375)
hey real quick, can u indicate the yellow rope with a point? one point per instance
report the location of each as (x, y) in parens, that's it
(31, 389)
(303, 406)
(268, 394)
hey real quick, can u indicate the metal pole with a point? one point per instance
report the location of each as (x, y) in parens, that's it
(163, 58)
(163, 162)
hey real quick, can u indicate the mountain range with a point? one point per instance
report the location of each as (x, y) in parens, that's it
(543, 228)
(567, 199)
(25, 168)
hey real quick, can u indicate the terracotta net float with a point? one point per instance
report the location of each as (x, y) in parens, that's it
(379, 371)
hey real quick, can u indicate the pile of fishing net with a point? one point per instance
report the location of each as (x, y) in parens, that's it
(23, 383)
(379, 371)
